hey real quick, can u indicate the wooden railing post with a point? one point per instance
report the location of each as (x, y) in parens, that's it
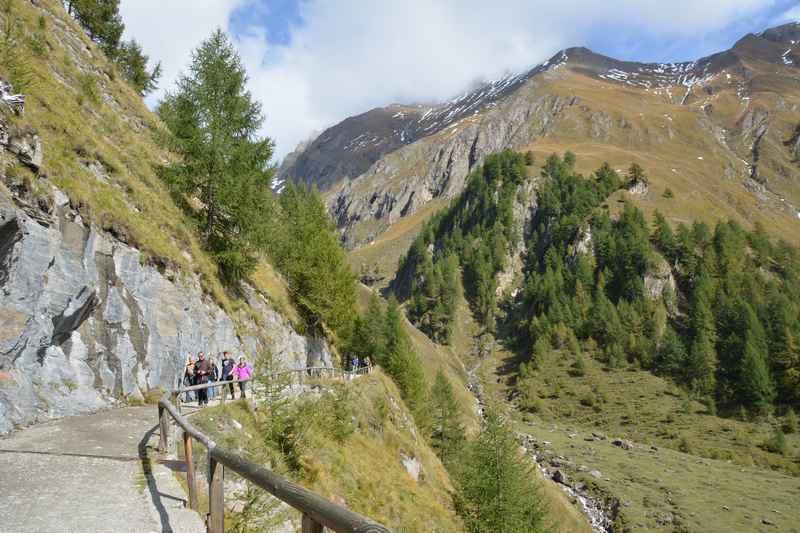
(310, 526)
(163, 429)
(187, 454)
(216, 497)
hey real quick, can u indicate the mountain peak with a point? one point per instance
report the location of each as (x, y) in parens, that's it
(785, 33)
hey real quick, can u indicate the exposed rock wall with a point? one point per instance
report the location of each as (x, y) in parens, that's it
(85, 322)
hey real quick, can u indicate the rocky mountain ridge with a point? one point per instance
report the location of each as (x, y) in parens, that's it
(392, 161)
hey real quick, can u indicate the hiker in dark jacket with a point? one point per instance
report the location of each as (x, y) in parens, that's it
(202, 373)
(227, 371)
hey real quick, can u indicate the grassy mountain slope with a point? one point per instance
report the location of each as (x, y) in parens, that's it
(364, 470)
(689, 148)
(103, 147)
(687, 471)
(456, 361)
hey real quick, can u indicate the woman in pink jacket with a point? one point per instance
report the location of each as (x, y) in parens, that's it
(240, 373)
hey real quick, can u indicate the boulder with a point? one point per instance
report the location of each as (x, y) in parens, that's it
(624, 444)
(15, 102)
(560, 477)
(27, 146)
(412, 465)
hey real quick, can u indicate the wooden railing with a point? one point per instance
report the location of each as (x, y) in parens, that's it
(317, 512)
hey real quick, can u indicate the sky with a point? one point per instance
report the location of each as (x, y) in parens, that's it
(313, 63)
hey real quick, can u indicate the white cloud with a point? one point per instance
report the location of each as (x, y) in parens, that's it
(792, 15)
(351, 55)
(170, 29)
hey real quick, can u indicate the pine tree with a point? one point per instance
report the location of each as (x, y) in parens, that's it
(529, 158)
(214, 121)
(133, 63)
(103, 24)
(636, 174)
(784, 347)
(702, 362)
(447, 436)
(663, 236)
(671, 357)
(101, 20)
(369, 335)
(305, 248)
(757, 391)
(403, 364)
(496, 487)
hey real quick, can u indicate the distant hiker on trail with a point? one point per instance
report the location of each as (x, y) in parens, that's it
(241, 372)
(356, 363)
(227, 371)
(202, 372)
(188, 378)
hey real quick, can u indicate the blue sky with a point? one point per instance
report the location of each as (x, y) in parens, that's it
(313, 63)
(650, 47)
(279, 17)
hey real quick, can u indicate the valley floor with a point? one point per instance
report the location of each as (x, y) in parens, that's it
(652, 487)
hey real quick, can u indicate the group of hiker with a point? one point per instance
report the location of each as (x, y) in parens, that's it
(357, 364)
(205, 370)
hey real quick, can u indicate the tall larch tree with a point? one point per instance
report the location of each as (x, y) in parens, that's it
(214, 121)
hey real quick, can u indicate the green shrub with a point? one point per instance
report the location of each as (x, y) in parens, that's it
(578, 367)
(89, 91)
(790, 421)
(38, 45)
(686, 406)
(743, 414)
(668, 193)
(685, 445)
(588, 400)
(614, 356)
(530, 401)
(529, 158)
(776, 443)
(340, 411)
(710, 405)
(540, 350)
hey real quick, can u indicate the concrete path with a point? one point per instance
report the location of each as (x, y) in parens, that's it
(93, 473)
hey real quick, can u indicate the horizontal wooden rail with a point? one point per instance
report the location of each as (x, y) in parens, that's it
(317, 511)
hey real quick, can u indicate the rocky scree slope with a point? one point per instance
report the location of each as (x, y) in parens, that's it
(103, 288)
(722, 128)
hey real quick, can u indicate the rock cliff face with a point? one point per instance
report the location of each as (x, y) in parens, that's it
(85, 323)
